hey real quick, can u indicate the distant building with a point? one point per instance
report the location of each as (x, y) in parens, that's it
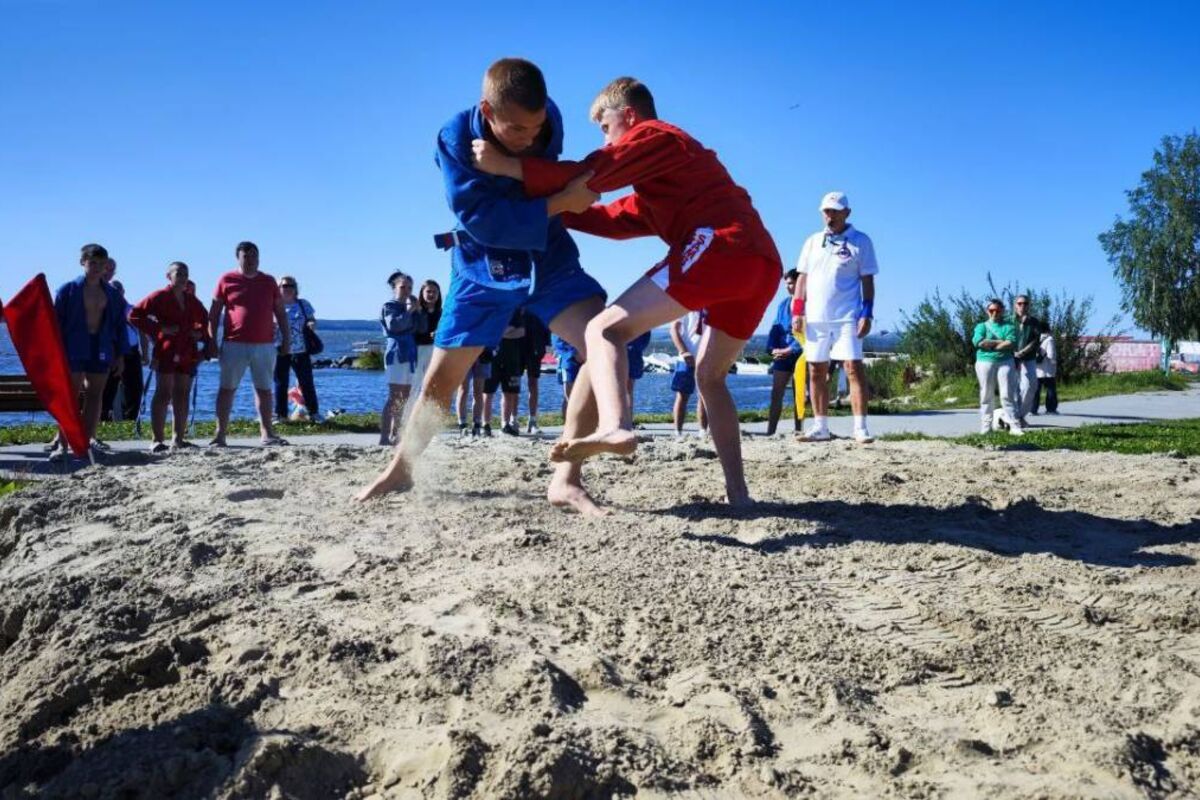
(1126, 354)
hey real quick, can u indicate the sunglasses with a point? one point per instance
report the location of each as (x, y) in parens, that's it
(287, 286)
(993, 311)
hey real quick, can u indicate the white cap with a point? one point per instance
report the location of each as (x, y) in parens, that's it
(836, 201)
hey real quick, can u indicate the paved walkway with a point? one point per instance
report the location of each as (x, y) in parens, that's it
(31, 461)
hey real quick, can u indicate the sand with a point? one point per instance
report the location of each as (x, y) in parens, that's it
(900, 620)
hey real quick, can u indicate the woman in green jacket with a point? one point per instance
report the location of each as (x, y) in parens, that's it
(994, 340)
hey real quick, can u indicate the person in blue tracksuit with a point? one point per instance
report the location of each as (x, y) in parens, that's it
(785, 352)
(91, 317)
(507, 251)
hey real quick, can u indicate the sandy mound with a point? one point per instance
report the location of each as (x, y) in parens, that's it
(905, 620)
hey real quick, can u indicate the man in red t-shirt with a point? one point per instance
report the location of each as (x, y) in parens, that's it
(177, 322)
(721, 260)
(249, 305)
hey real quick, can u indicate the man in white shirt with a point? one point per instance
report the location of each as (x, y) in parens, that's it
(834, 304)
(686, 333)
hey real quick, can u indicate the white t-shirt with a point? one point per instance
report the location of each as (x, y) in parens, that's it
(835, 264)
(693, 329)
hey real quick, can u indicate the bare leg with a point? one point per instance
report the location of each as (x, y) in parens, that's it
(566, 488)
(262, 402)
(819, 387)
(701, 414)
(858, 387)
(164, 393)
(224, 408)
(508, 408)
(447, 368)
(778, 387)
(180, 400)
(532, 379)
(642, 307)
(679, 411)
(387, 418)
(717, 353)
(93, 399)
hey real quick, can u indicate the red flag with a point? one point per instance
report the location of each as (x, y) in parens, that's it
(33, 328)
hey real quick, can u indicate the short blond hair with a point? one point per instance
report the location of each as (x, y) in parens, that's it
(515, 81)
(621, 93)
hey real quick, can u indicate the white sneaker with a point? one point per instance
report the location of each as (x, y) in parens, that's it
(817, 435)
(863, 436)
(533, 430)
(985, 428)
(1016, 430)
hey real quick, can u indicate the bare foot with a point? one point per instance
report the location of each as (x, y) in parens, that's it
(739, 499)
(396, 478)
(619, 442)
(571, 495)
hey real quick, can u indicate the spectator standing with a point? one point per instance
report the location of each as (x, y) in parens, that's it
(1029, 335)
(784, 351)
(471, 391)
(835, 300)
(533, 349)
(568, 367)
(247, 304)
(994, 340)
(430, 301)
(686, 333)
(131, 382)
(1047, 373)
(636, 352)
(300, 317)
(398, 318)
(91, 318)
(507, 368)
(178, 325)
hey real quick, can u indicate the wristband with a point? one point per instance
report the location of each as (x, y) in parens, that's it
(797, 306)
(868, 309)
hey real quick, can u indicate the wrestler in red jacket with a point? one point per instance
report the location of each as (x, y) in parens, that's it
(721, 260)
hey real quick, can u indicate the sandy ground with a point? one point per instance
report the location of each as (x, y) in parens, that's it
(904, 620)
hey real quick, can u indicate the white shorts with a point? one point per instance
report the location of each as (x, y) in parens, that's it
(400, 374)
(237, 356)
(832, 340)
(424, 354)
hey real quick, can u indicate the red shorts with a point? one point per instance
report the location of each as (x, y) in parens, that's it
(735, 285)
(172, 361)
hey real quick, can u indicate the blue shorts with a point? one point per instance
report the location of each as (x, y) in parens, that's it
(568, 371)
(785, 365)
(637, 366)
(683, 380)
(95, 362)
(475, 315)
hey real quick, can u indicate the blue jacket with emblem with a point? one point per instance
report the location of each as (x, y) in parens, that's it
(503, 236)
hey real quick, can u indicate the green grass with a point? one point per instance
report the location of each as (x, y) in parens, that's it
(1176, 437)
(9, 487)
(929, 394)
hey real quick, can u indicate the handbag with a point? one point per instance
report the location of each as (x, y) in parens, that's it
(312, 342)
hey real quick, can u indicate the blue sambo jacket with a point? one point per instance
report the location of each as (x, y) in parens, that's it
(72, 321)
(780, 334)
(503, 236)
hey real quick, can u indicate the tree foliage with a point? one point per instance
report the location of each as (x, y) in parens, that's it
(937, 335)
(1155, 254)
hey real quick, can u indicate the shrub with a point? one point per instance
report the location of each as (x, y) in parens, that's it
(372, 359)
(937, 335)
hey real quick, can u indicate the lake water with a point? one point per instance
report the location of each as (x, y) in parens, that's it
(362, 391)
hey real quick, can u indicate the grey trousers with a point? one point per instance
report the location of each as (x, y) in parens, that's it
(993, 376)
(1027, 376)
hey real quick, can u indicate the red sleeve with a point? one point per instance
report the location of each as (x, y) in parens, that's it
(219, 292)
(142, 316)
(621, 219)
(642, 154)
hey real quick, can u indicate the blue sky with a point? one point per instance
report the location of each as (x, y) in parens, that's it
(971, 137)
